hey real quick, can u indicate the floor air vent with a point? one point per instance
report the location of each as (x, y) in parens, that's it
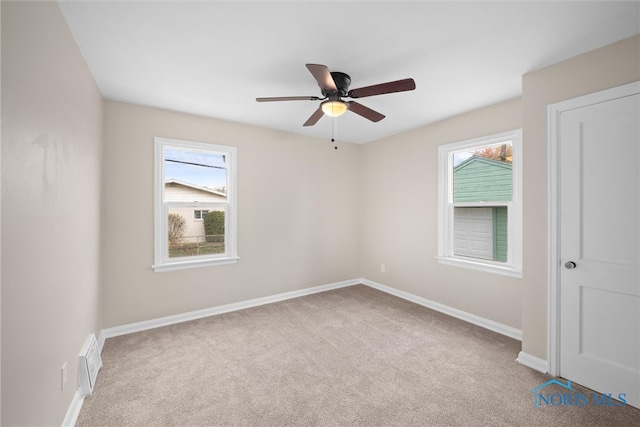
(90, 364)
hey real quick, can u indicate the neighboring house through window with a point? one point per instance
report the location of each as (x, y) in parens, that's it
(195, 213)
(480, 198)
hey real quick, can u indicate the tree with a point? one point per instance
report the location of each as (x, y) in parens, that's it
(177, 226)
(214, 226)
(501, 152)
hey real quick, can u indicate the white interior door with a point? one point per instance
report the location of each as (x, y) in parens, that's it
(599, 251)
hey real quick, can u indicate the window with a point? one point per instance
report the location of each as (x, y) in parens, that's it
(199, 213)
(195, 204)
(480, 204)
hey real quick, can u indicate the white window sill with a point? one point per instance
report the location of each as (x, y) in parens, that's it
(479, 265)
(183, 265)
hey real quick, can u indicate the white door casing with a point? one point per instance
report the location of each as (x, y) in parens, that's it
(594, 217)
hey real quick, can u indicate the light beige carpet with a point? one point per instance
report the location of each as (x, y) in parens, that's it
(352, 356)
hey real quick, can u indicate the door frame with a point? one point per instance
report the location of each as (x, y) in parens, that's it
(554, 112)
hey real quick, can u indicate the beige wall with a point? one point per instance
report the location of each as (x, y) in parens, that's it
(0, 229)
(600, 69)
(399, 226)
(298, 213)
(51, 142)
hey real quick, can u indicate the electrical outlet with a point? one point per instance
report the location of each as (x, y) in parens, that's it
(382, 268)
(63, 376)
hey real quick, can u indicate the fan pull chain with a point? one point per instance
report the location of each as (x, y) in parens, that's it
(334, 130)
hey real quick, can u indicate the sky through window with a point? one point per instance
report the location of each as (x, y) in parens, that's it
(203, 169)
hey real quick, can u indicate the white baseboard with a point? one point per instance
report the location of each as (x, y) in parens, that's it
(533, 362)
(199, 314)
(74, 410)
(453, 312)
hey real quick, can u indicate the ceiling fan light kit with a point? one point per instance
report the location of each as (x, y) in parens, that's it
(334, 108)
(334, 86)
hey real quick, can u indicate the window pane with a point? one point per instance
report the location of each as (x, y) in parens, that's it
(480, 232)
(194, 175)
(190, 237)
(483, 174)
(199, 214)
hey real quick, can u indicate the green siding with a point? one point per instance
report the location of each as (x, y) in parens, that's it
(478, 179)
(500, 236)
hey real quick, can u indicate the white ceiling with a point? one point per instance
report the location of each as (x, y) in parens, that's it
(213, 58)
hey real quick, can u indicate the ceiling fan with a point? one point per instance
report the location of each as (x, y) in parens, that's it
(334, 86)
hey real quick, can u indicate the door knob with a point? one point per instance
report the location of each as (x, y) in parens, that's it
(570, 265)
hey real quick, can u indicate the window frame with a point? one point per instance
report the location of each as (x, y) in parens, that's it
(162, 261)
(513, 266)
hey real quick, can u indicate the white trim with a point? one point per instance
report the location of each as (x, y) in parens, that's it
(553, 335)
(532, 362)
(196, 263)
(199, 314)
(491, 325)
(78, 399)
(478, 264)
(74, 410)
(553, 224)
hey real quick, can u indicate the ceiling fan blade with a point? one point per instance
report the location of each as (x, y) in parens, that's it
(365, 112)
(322, 74)
(314, 117)
(382, 88)
(288, 98)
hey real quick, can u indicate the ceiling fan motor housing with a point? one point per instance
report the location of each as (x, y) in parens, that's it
(342, 82)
